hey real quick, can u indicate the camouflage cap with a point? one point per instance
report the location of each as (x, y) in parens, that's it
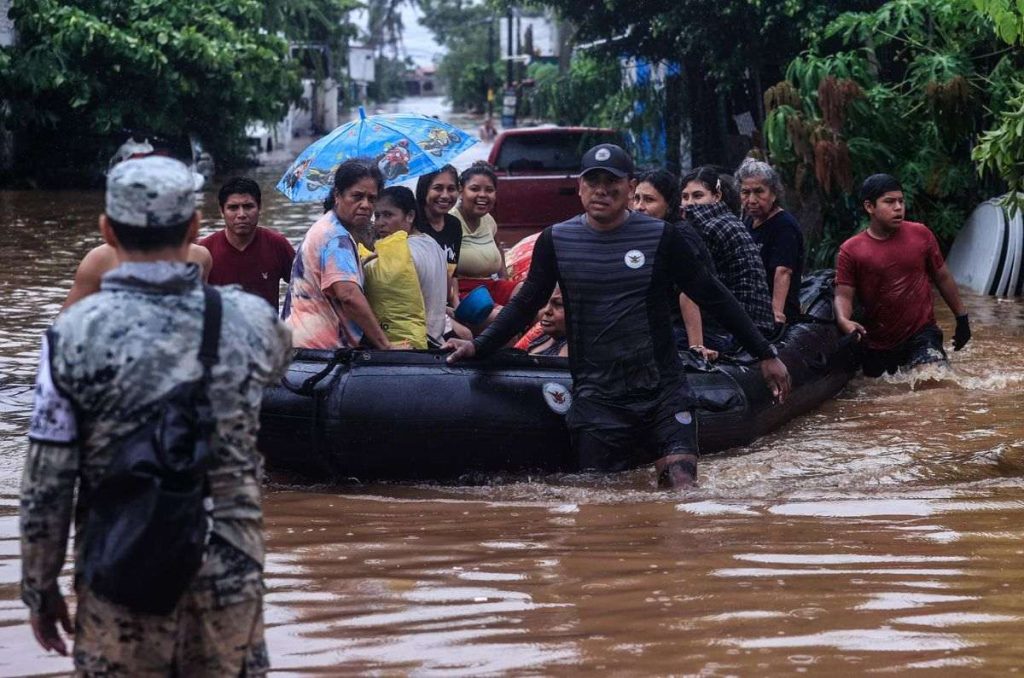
(155, 191)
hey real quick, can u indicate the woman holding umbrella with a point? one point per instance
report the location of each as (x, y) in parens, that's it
(325, 306)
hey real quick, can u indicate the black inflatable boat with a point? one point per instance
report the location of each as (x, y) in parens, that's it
(409, 415)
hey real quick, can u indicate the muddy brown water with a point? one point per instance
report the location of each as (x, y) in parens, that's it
(883, 532)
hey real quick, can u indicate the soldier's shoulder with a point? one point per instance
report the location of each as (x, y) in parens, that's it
(237, 300)
(81, 315)
(242, 309)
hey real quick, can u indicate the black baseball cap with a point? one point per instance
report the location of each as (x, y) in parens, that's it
(607, 157)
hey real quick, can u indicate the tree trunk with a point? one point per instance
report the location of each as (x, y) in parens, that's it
(674, 92)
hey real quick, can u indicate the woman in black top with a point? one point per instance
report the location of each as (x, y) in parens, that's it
(657, 195)
(778, 234)
(436, 194)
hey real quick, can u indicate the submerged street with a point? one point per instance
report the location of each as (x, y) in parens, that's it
(882, 532)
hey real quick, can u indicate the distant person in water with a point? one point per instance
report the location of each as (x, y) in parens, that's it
(245, 253)
(487, 130)
(890, 268)
(103, 258)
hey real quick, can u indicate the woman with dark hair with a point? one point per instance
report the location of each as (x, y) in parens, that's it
(657, 194)
(736, 258)
(396, 211)
(778, 234)
(553, 340)
(325, 306)
(436, 194)
(481, 261)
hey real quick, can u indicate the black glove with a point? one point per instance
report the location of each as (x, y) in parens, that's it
(962, 334)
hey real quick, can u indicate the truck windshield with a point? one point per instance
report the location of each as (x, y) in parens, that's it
(550, 151)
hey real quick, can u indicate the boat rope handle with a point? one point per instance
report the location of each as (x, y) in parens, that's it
(307, 386)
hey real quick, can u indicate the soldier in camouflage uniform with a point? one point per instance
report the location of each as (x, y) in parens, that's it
(106, 362)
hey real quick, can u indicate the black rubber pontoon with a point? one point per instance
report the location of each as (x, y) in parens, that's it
(409, 415)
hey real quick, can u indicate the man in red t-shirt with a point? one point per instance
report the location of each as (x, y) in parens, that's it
(890, 268)
(245, 253)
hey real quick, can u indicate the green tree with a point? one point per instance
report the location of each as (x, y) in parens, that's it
(461, 26)
(914, 81)
(1000, 150)
(728, 51)
(318, 24)
(85, 70)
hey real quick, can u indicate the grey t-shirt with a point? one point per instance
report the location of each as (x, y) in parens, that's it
(432, 270)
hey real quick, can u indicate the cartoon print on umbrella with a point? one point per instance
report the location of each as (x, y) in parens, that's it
(291, 178)
(394, 161)
(401, 145)
(438, 139)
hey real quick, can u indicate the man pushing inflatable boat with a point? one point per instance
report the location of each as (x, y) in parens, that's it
(625, 397)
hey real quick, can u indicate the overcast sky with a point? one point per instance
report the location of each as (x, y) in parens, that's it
(417, 40)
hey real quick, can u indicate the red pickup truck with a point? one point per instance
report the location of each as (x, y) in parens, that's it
(538, 170)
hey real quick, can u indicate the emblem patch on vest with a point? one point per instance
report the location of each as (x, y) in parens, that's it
(635, 258)
(557, 397)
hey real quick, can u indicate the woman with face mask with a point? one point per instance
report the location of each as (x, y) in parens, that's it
(706, 196)
(778, 234)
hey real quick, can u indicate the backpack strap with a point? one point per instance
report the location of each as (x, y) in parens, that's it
(212, 312)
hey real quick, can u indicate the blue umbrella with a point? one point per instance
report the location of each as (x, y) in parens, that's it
(402, 145)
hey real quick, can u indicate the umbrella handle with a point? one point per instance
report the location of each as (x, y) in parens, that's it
(362, 113)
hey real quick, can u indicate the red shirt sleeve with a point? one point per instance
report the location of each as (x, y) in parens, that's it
(933, 255)
(846, 268)
(286, 255)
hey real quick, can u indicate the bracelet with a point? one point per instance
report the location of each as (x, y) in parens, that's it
(698, 347)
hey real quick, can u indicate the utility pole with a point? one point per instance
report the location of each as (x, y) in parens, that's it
(508, 64)
(490, 67)
(508, 103)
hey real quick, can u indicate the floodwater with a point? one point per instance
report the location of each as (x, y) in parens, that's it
(883, 532)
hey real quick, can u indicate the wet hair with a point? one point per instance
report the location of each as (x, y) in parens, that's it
(240, 186)
(716, 182)
(149, 238)
(667, 184)
(423, 184)
(348, 174)
(877, 185)
(751, 168)
(478, 169)
(400, 196)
